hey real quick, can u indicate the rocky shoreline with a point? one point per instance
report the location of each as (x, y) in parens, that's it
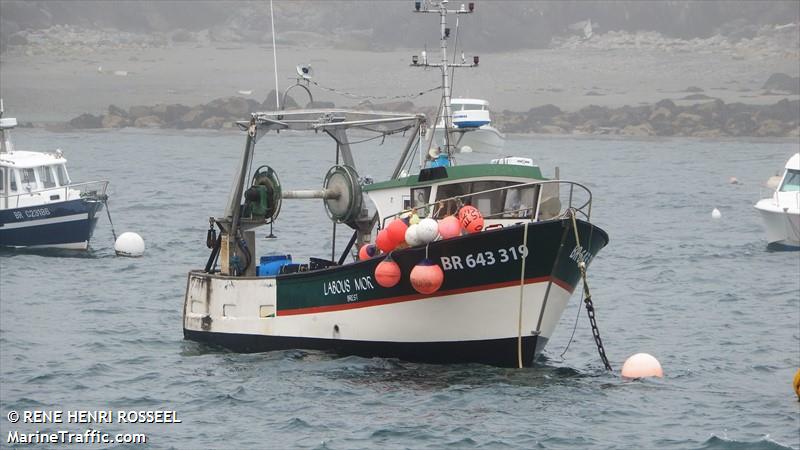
(708, 118)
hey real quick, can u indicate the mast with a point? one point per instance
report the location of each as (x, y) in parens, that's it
(440, 7)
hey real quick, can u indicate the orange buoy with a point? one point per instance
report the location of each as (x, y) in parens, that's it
(367, 251)
(471, 219)
(384, 242)
(449, 227)
(397, 231)
(387, 273)
(427, 277)
(642, 365)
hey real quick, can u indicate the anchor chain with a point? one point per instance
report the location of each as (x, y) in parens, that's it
(104, 199)
(588, 298)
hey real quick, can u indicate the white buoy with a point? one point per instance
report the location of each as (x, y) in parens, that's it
(715, 214)
(642, 365)
(427, 230)
(129, 244)
(411, 236)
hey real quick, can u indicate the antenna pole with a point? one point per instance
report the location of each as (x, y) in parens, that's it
(274, 56)
(440, 7)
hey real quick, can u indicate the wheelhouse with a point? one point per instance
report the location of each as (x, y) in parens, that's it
(503, 193)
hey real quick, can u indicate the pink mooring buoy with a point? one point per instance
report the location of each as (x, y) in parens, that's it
(642, 365)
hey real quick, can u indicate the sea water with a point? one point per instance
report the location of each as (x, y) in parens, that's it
(94, 332)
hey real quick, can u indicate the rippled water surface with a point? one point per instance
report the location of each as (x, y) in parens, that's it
(93, 331)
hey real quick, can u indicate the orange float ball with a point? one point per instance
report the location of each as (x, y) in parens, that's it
(471, 219)
(427, 277)
(384, 242)
(367, 251)
(449, 227)
(397, 231)
(642, 365)
(387, 273)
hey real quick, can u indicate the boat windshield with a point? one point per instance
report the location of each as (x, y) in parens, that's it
(791, 182)
(46, 177)
(505, 203)
(63, 178)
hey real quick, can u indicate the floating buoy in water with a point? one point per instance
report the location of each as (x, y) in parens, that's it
(733, 180)
(397, 231)
(367, 251)
(427, 230)
(796, 384)
(384, 242)
(449, 227)
(412, 239)
(715, 214)
(642, 365)
(387, 273)
(471, 219)
(129, 244)
(427, 277)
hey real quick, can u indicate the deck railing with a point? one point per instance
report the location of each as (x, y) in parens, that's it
(573, 197)
(95, 190)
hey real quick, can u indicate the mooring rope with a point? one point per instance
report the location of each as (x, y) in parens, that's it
(521, 291)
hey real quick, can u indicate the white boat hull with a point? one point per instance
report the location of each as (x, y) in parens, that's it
(782, 225)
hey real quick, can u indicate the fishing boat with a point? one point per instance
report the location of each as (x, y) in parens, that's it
(464, 124)
(472, 128)
(489, 294)
(781, 211)
(40, 207)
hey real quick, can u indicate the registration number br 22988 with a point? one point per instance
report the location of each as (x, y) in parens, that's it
(483, 259)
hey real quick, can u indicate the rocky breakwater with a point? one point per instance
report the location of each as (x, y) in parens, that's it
(666, 118)
(218, 114)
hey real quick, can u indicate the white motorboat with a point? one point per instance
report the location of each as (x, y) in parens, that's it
(781, 211)
(39, 205)
(472, 127)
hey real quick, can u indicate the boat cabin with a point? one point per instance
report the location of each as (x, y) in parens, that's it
(33, 178)
(440, 191)
(470, 112)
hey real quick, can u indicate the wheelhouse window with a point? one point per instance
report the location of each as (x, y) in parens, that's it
(520, 202)
(421, 197)
(498, 203)
(471, 107)
(12, 181)
(29, 179)
(791, 182)
(63, 178)
(46, 177)
(2, 180)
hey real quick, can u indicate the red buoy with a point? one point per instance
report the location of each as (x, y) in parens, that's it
(397, 231)
(471, 219)
(384, 242)
(367, 251)
(449, 227)
(427, 277)
(387, 273)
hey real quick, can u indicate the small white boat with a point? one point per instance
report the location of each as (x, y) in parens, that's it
(39, 204)
(472, 127)
(781, 212)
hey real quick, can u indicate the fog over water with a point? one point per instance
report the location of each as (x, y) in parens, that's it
(532, 53)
